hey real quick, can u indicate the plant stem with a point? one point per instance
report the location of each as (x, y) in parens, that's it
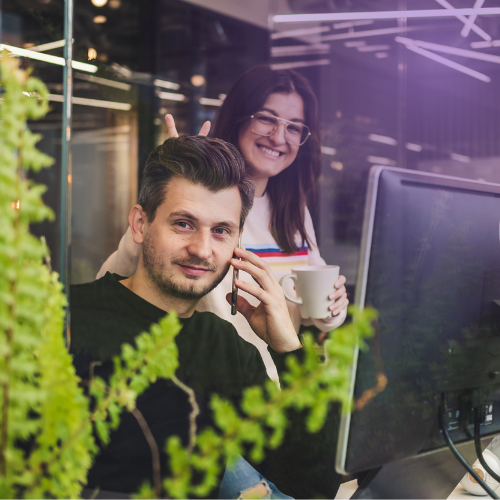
(194, 412)
(155, 452)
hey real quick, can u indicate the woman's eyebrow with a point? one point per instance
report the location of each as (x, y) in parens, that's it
(276, 114)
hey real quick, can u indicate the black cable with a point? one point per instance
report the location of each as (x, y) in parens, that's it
(459, 457)
(479, 452)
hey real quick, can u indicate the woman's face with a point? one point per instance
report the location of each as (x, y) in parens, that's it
(268, 156)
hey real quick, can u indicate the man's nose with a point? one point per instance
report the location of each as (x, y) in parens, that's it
(200, 245)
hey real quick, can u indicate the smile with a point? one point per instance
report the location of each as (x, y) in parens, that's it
(270, 152)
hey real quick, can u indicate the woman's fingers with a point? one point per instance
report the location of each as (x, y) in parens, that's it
(172, 131)
(339, 297)
(205, 128)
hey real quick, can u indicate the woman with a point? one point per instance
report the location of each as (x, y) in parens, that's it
(272, 117)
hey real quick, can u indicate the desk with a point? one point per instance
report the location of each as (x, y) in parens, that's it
(347, 490)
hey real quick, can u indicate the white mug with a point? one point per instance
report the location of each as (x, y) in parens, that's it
(313, 285)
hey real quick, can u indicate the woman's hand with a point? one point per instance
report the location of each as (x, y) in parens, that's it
(270, 320)
(339, 297)
(172, 131)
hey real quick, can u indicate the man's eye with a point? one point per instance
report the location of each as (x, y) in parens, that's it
(183, 225)
(221, 230)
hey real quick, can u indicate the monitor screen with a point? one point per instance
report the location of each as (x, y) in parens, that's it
(430, 265)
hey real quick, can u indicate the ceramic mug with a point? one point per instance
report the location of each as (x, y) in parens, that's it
(313, 285)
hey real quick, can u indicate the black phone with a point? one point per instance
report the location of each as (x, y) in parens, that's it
(234, 289)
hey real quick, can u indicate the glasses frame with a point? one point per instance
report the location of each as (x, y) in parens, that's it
(285, 122)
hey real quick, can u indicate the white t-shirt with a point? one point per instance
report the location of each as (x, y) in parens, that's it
(258, 239)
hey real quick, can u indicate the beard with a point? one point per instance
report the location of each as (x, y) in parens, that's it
(163, 277)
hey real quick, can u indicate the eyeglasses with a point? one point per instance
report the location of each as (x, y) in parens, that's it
(266, 124)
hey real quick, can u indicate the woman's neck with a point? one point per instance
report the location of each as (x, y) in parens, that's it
(260, 186)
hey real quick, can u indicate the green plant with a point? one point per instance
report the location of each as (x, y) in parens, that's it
(46, 424)
(41, 404)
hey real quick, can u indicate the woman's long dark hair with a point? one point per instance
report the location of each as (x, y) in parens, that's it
(289, 189)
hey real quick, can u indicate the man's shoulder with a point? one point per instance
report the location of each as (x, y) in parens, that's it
(93, 291)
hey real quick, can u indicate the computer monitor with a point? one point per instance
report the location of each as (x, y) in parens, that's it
(430, 266)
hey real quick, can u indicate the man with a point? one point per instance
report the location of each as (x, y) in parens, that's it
(193, 201)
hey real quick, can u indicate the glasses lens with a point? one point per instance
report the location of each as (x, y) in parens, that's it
(264, 124)
(297, 133)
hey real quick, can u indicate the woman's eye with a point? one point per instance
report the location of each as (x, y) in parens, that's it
(294, 129)
(267, 119)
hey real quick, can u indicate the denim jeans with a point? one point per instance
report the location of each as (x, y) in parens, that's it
(243, 476)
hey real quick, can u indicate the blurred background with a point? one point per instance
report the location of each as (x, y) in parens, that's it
(417, 93)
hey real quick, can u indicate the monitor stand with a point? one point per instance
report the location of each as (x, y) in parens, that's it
(434, 475)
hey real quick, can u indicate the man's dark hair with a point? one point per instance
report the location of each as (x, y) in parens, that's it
(213, 163)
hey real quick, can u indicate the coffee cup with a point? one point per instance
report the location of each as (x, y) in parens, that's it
(313, 285)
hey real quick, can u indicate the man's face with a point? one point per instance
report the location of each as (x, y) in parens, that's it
(188, 246)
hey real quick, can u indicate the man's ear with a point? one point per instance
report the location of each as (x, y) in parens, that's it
(137, 220)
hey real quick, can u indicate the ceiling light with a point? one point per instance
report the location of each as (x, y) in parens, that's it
(380, 160)
(296, 33)
(359, 43)
(99, 3)
(210, 102)
(396, 14)
(351, 24)
(328, 151)
(92, 54)
(198, 80)
(447, 62)
(115, 4)
(122, 106)
(483, 45)
(100, 19)
(373, 48)
(381, 55)
(295, 50)
(450, 50)
(461, 17)
(363, 34)
(166, 84)
(48, 46)
(222, 96)
(300, 64)
(460, 158)
(103, 81)
(60, 61)
(337, 165)
(472, 19)
(383, 139)
(413, 147)
(170, 96)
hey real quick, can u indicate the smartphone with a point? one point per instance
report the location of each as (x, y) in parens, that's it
(234, 291)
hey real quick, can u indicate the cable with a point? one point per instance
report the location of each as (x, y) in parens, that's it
(479, 452)
(459, 457)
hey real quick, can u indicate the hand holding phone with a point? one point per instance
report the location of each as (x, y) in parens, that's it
(234, 290)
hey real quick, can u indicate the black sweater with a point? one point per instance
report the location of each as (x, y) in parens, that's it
(213, 359)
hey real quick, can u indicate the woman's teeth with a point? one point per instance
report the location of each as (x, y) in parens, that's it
(269, 151)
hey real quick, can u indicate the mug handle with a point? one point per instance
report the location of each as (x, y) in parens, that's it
(287, 297)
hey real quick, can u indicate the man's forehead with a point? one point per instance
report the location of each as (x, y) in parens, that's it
(184, 196)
